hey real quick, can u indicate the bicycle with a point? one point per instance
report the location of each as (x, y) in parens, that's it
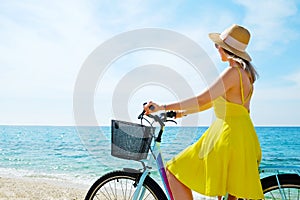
(132, 141)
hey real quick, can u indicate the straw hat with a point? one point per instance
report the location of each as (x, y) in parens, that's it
(234, 39)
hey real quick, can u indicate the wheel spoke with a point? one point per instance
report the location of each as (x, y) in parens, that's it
(289, 194)
(120, 185)
(288, 189)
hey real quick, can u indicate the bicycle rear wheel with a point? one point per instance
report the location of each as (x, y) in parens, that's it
(120, 185)
(289, 188)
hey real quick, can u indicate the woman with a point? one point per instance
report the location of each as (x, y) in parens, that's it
(225, 159)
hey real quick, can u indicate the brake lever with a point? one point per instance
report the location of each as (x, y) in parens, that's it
(170, 120)
(164, 116)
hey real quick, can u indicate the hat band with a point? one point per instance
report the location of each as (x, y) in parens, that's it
(233, 42)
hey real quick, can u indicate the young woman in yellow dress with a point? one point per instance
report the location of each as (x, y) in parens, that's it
(225, 159)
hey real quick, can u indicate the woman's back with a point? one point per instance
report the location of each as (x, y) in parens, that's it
(242, 90)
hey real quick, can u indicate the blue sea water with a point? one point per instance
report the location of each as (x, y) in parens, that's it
(82, 154)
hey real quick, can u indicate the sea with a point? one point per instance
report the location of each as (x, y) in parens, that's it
(83, 154)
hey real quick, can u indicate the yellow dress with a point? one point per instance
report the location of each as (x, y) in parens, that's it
(226, 158)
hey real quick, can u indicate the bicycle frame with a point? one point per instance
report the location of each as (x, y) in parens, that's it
(156, 153)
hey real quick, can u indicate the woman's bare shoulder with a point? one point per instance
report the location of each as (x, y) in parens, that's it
(230, 76)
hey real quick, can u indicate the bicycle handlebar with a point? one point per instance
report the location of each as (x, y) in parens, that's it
(161, 119)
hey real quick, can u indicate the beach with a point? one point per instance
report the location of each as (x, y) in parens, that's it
(22, 188)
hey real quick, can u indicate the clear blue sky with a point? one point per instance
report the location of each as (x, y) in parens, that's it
(45, 43)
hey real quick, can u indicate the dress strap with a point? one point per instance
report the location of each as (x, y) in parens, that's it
(242, 88)
(250, 94)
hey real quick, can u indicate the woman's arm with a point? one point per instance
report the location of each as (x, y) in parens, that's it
(204, 100)
(183, 113)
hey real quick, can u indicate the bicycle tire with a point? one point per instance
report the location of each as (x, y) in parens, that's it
(289, 184)
(110, 186)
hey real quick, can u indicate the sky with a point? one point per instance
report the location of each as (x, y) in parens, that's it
(44, 45)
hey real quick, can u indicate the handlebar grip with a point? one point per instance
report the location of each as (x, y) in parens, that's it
(171, 114)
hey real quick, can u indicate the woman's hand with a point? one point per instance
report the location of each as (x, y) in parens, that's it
(180, 114)
(152, 107)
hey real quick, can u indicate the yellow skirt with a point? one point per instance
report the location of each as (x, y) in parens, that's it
(224, 160)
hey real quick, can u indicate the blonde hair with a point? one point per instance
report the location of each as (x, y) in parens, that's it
(247, 66)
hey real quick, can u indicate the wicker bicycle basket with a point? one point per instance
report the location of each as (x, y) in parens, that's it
(130, 141)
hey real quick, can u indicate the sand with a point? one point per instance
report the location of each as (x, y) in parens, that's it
(23, 188)
(42, 189)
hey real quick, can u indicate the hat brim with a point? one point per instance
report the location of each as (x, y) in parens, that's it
(215, 37)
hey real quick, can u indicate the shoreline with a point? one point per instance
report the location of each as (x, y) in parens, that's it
(26, 188)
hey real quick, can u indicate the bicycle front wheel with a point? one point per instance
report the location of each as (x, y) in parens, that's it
(288, 189)
(121, 185)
